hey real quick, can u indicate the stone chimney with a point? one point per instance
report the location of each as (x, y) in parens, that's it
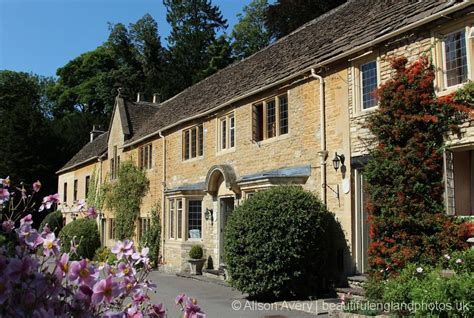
(140, 97)
(156, 98)
(96, 132)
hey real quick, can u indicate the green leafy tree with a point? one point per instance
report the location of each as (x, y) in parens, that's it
(124, 198)
(194, 25)
(221, 55)
(285, 16)
(27, 144)
(250, 34)
(151, 238)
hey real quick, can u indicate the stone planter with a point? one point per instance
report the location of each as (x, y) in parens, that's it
(196, 265)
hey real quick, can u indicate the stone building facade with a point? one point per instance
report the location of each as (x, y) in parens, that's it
(280, 117)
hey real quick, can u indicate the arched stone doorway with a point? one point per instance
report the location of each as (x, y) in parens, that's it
(221, 185)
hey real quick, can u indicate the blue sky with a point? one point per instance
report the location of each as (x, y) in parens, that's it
(41, 35)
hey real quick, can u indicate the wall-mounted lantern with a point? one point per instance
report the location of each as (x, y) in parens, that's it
(209, 214)
(338, 161)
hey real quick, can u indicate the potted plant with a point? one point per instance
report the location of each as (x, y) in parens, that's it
(196, 260)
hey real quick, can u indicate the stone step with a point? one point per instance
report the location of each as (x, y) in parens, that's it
(356, 292)
(214, 273)
(356, 281)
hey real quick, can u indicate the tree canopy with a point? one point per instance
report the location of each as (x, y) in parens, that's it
(250, 34)
(285, 16)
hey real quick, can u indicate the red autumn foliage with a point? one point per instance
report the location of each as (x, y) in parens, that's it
(405, 174)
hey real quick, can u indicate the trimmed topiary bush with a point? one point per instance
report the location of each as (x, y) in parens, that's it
(54, 220)
(277, 244)
(86, 234)
(196, 252)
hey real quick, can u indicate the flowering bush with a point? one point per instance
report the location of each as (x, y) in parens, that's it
(405, 175)
(37, 280)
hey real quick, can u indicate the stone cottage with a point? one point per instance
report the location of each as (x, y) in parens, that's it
(280, 117)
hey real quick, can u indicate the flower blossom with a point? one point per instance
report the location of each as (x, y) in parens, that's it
(62, 266)
(4, 195)
(125, 270)
(142, 256)
(419, 270)
(157, 311)
(36, 186)
(5, 182)
(105, 289)
(134, 312)
(81, 272)
(50, 245)
(180, 299)
(123, 248)
(458, 261)
(48, 201)
(191, 310)
(27, 220)
(91, 213)
(8, 226)
(446, 256)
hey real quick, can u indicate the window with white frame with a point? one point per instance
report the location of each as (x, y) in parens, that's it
(270, 118)
(455, 58)
(145, 157)
(193, 142)
(226, 132)
(179, 218)
(368, 84)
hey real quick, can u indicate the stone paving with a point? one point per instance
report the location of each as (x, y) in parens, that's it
(221, 301)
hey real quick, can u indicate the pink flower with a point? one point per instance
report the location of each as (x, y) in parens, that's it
(73, 248)
(458, 261)
(129, 285)
(133, 312)
(192, 309)
(29, 236)
(91, 213)
(8, 226)
(142, 256)
(125, 270)
(139, 298)
(81, 204)
(5, 182)
(180, 299)
(62, 266)
(123, 248)
(4, 195)
(27, 220)
(104, 289)
(50, 245)
(36, 186)
(81, 272)
(157, 311)
(48, 201)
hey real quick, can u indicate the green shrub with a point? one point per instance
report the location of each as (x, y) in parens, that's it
(86, 234)
(196, 252)
(104, 255)
(462, 261)
(151, 238)
(431, 293)
(54, 220)
(277, 244)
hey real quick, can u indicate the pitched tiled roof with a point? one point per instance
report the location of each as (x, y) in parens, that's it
(89, 152)
(348, 26)
(137, 114)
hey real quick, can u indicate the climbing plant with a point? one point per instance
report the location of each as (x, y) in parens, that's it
(151, 238)
(405, 175)
(124, 198)
(96, 194)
